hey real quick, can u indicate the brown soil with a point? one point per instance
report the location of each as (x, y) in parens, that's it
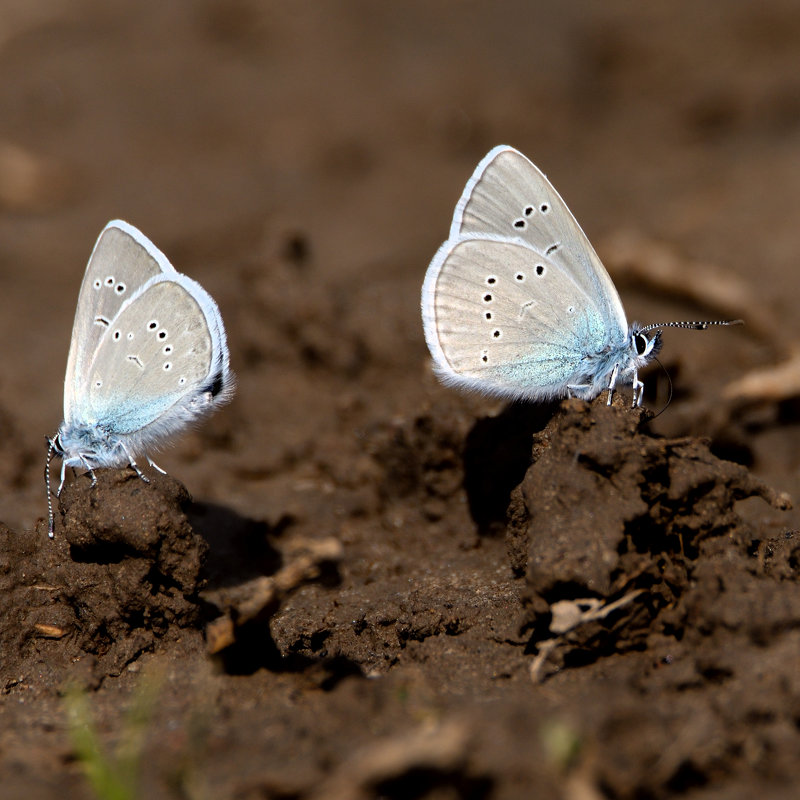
(380, 588)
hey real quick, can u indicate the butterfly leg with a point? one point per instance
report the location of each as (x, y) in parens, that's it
(88, 469)
(64, 475)
(155, 466)
(133, 463)
(63, 478)
(612, 383)
(638, 390)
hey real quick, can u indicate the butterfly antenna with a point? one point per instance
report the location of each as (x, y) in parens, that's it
(51, 522)
(695, 326)
(669, 396)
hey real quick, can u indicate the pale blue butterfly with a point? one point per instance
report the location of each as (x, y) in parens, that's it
(148, 357)
(516, 302)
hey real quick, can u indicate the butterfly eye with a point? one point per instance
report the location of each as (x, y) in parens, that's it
(642, 344)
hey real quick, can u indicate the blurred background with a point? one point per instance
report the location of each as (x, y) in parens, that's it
(302, 161)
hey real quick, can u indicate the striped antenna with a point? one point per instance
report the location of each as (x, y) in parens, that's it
(51, 522)
(695, 326)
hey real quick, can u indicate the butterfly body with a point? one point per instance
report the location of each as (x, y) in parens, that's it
(148, 356)
(516, 302)
(103, 443)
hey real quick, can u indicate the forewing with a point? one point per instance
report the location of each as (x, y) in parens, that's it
(157, 352)
(509, 196)
(503, 319)
(122, 262)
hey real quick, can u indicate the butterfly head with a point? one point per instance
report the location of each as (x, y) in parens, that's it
(54, 446)
(645, 345)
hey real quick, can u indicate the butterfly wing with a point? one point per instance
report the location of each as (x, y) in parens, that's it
(500, 317)
(159, 363)
(508, 196)
(122, 262)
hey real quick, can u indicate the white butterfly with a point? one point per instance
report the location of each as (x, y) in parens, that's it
(148, 357)
(517, 303)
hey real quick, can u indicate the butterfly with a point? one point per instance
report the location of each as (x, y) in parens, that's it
(148, 357)
(516, 303)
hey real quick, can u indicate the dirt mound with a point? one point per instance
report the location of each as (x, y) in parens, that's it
(123, 570)
(625, 540)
